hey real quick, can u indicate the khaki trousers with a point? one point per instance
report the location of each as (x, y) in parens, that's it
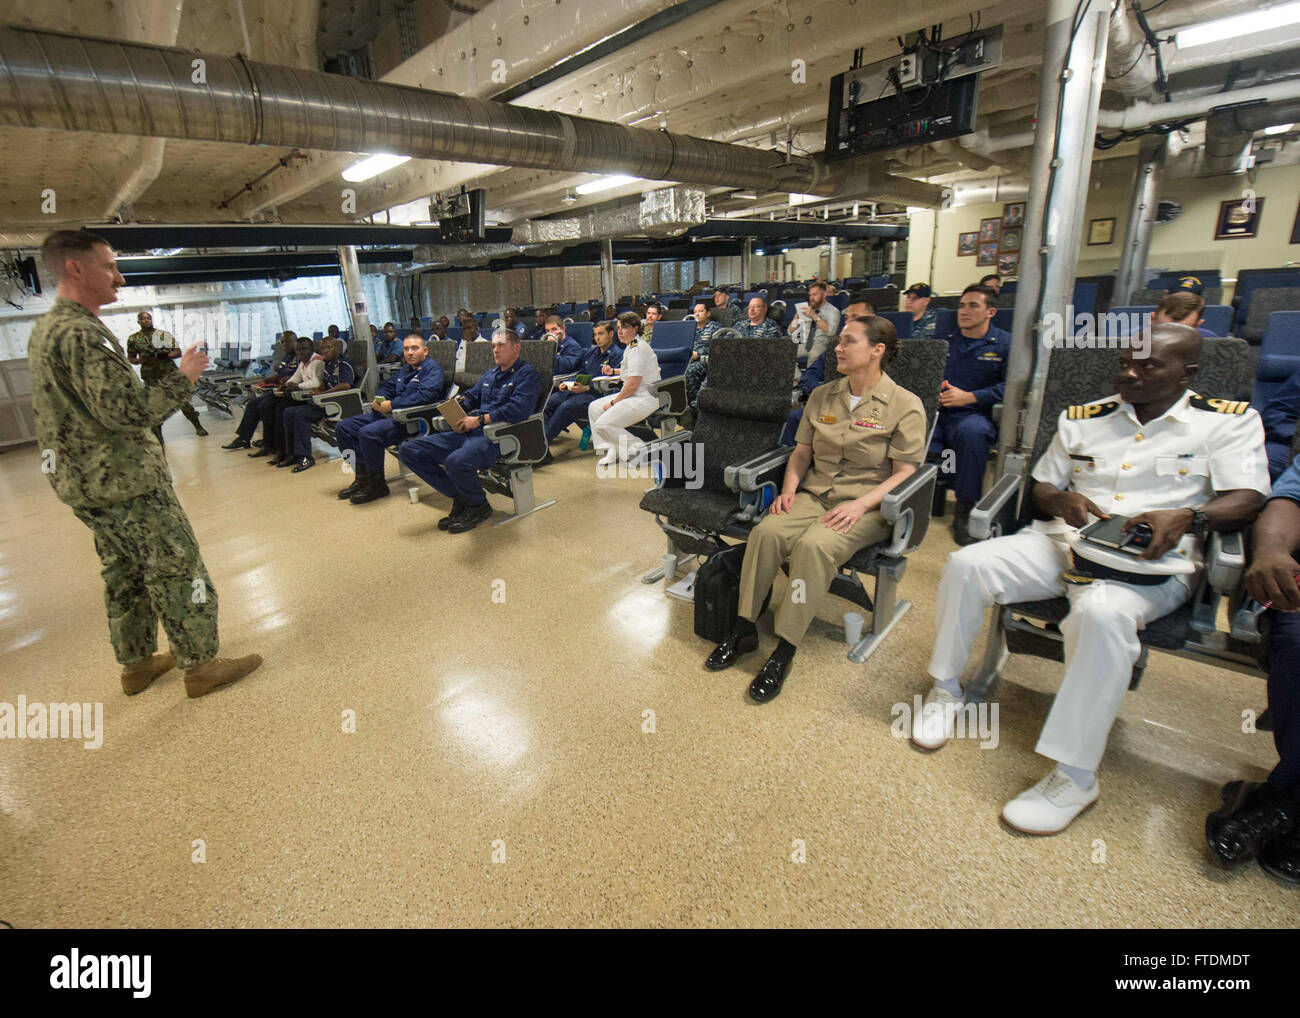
(815, 553)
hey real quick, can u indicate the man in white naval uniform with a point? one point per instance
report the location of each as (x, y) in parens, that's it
(1155, 452)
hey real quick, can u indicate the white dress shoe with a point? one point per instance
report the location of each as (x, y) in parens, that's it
(934, 725)
(1050, 806)
(609, 459)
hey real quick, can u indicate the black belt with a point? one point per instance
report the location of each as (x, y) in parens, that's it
(1085, 571)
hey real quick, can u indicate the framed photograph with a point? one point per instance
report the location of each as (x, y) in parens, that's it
(987, 254)
(967, 243)
(989, 230)
(1013, 214)
(1010, 239)
(1009, 264)
(1238, 218)
(1101, 231)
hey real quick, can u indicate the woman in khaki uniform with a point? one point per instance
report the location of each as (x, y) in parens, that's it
(860, 437)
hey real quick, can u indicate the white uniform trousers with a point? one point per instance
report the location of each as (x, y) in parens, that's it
(609, 424)
(1101, 644)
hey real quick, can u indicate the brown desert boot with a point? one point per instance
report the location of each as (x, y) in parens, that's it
(138, 676)
(203, 678)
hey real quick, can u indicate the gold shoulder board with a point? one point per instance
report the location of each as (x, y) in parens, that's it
(1220, 406)
(1090, 411)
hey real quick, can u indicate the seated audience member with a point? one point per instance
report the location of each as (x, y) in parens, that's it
(445, 322)
(538, 329)
(570, 401)
(449, 461)
(1120, 455)
(653, 314)
(697, 369)
(469, 333)
(1181, 307)
(994, 282)
(611, 313)
(440, 328)
(858, 308)
(414, 324)
(611, 416)
(295, 435)
(511, 319)
(815, 324)
(306, 375)
(757, 325)
(287, 364)
(726, 309)
(861, 437)
(916, 301)
(387, 349)
(974, 379)
(568, 351)
(1279, 425)
(1261, 820)
(363, 438)
(333, 333)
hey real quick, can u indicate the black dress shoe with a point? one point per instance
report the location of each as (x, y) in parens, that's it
(198, 430)
(771, 677)
(458, 508)
(258, 443)
(1281, 857)
(728, 652)
(306, 463)
(471, 518)
(260, 451)
(1252, 815)
(238, 443)
(285, 460)
(373, 488)
(357, 484)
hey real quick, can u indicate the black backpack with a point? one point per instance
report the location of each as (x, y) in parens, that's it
(717, 594)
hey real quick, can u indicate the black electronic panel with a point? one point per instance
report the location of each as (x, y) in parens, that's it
(461, 219)
(856, 126)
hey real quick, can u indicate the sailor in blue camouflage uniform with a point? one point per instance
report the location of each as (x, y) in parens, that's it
(363, 438)
(449, 461)
(916, 301)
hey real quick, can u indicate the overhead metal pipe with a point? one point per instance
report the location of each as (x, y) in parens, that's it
(80, 83)
(1141, 219)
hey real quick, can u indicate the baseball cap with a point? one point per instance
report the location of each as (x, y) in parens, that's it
(1191, 284)
(918, 290)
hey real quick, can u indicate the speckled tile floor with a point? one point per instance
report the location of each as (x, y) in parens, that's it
(514, 732)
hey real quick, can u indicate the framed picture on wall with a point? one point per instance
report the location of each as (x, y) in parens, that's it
(1101, 231)
(1009, 264)
(967, 243)
(1238, 218)
(1013, 214)
(988, 254)
(1010, 239)
(989, 230)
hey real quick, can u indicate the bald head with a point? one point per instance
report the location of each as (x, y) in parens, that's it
(1174, 340)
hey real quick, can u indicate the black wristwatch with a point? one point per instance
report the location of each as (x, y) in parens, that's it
(1200, 527)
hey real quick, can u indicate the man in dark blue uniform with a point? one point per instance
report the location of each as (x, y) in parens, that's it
(568, 351)
(511, 318)
(1279, 416)
(286, 366)
(538, 329)
(974, 379)
(1261, 820)
(295, 438)
(570, 402)
(449, 461)
(366, 436)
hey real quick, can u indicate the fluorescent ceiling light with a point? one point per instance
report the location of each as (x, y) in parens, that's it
(1278, 128)
(372, 166)
(1265, 20)
(605, 183)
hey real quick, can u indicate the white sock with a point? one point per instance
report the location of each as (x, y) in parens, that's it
(1084, 779)
(950, 686)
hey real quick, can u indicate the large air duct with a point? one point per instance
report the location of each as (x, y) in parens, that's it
(78, 83)
(1228, 134)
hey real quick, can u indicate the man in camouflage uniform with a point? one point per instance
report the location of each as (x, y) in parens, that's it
(93, 422)
(155, 350)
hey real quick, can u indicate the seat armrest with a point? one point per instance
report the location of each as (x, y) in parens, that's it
(421, 411)
(567, 377)
(1225, 562)
(907, 510)
(605, 384)
(344, 403)
(990, 507)
(746, 476)
(651, 452)
(997, 413)
(303, 395)
(521, 441)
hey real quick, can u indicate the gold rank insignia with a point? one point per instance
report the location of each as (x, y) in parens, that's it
(633, 343)
(1089, 411)
(1220, 406)
(826, 419)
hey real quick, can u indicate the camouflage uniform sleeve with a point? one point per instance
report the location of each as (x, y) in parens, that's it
(104, 382)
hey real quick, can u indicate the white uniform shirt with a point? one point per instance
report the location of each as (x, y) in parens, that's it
(639, 359)
(1178, 460)
(310, 375)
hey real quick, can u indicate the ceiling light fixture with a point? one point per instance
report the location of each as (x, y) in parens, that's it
(1238, 24)
(372, 166)
(605, 183)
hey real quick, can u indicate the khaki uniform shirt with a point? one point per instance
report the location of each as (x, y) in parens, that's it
(854, 450)
(93, 415)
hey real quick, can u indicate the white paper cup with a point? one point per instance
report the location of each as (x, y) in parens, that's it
(413, 494)
(670, 569)
(853, 627)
